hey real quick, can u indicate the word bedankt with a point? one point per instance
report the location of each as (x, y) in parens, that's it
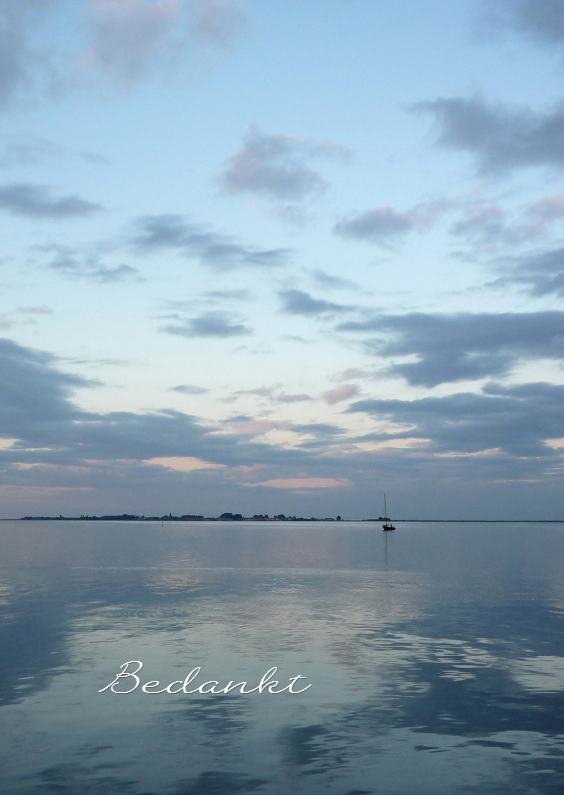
(181, 686)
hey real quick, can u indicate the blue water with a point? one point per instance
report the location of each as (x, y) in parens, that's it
(435, 656)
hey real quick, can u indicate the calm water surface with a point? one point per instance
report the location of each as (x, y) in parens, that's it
(435, 656)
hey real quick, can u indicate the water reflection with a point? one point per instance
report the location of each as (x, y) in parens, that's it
(436, 658)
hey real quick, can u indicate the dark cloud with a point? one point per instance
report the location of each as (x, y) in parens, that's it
(30, 150)
(173, 232)
(119, 273)
(157, 234)
(35, 201)
(539, 274)
(209, 325)
(379, 225)
(237, 295)
(541, 20)
(282, 397)
(188, 389)
(36, 408)
(62, 448)
(332, 282)
(219, 23)
(33, 392)
(296, 302)
(340, 393)
(515, 420)
(486, 226)
(322, 435)
(87, 265)
(276, 166)
(500, 138)
(463, 346)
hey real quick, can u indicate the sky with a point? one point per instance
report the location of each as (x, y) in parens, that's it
(282, 257)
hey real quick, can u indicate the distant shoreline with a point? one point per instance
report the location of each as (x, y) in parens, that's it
(264, 518)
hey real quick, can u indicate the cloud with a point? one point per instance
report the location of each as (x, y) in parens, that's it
(9, 319)
(154, 234)
(379, 225)
(539, 273)
(125, 39)
(182, 463)
(119, 273)
(332, 282)
(35, 310)
(298, 484)
(32, 390)
(28, 150)
(487, 225)
(293, 214)
(209, 325)
(129, 36)
(54, 449)
(296, 302)
(385, 224)
(218, 23)
(463, 346)
(36, 409)
(86, 265)
(340, 393)
(550, 208)
(247, 426)
(484, 225)
(540, 20)
(173, 232)
(282, 397)
(237, 295)
(500, 138)
(514, 420)
(275, 166)
(35, 201)
(321, 436)
(22, 68)
(189, 389)
(273, 394)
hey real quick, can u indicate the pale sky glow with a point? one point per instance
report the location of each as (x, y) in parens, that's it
(313, 248)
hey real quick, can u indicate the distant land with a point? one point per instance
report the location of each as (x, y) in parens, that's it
(225, 517)
(264, 517)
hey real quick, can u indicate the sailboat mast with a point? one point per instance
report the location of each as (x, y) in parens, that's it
(385, 508)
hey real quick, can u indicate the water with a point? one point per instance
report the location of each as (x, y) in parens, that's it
(435, 656)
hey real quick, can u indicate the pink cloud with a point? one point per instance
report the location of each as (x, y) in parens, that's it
(340, 393)
(305, 483)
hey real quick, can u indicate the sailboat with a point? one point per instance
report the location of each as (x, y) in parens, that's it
(387, 523)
